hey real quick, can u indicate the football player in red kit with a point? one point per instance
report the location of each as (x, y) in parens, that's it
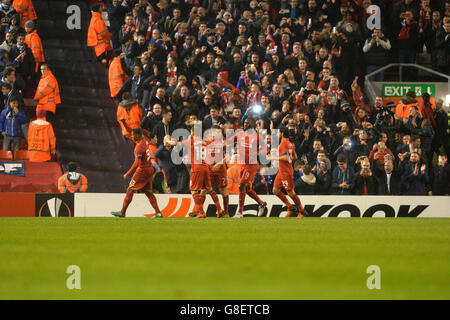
(142, 178)
(200, 182)
(285, 175)
(248, 144)
(216, 161)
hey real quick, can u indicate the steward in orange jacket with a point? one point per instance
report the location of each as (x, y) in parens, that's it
(47, 92)
(233, 172)
(72, 181)
(129, 115)
(33, 41)
(25, 9)
(408, 101)
(41, 139)
(98, 34)
(116, 76)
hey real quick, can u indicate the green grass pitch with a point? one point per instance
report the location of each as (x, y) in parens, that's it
(265, 258)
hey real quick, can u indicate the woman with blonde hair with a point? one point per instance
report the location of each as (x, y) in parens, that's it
(291, 79)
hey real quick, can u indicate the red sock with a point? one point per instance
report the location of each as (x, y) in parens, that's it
(215, 198)
(297, 202)
(127, 201)
(241, 201)
(151, 197)
(196, 201)
(283, 198)
(254, 196)
(226, 200)
(202, 199)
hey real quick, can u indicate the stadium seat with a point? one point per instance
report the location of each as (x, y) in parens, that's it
(57, 7)
(6, 155)
(46, 29)
(74, 44)
(51, 43)
(53, 54)
(42, 11)
(21, 155)
(102, 135)
(23, 144)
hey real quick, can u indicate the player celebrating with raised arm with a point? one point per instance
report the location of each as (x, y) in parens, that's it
(248, 148)
(285, 175)
(199, 179)
(142, 178)
(216, 159)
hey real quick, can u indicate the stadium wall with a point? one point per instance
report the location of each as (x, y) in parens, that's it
(100, 205)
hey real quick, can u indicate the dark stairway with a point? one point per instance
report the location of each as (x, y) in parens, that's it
(85, 126)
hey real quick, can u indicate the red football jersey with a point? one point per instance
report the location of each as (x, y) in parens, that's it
(196, 153)
(286, 148)
(142, 152)
(215, 152)
(248, 147)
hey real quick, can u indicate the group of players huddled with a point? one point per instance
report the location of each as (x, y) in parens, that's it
(207, 156)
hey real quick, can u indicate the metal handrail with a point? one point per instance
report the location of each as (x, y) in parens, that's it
(371, 91)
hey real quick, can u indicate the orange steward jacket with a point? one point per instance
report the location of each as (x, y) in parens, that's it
(41, 141)
(132, 116)
(116, 76)
(72, 182)
(47, 93)
(98, 34)
(25, 9)
(402, 110)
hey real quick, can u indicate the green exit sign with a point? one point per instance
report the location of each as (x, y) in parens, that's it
(400, 89)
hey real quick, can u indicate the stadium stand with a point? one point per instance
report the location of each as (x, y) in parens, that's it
(6, 155)
(304, 61)
(85, 124)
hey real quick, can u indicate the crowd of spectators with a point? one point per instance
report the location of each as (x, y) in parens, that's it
(303, 62)
(24, 74)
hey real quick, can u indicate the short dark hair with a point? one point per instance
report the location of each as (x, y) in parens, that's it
(8, 70)
(137, 130)
(126, 95)
(284, 131)
(214, 107)
(341, 158)
(306, 169)
(72, 166)
(6, 85)
(322, 151)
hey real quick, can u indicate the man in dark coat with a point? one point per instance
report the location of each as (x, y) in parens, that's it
(415, 176)
(440, 177)
(389, 179)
